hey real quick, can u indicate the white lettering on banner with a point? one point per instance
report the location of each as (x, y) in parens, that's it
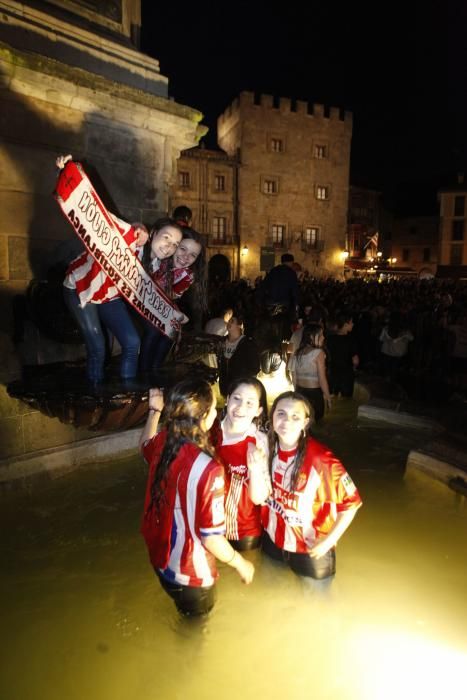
(105, 242)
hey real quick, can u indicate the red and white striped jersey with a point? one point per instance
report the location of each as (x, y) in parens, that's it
(182, 279)
(85, 275)
(192, 507)
(242, 516)
(295, 519)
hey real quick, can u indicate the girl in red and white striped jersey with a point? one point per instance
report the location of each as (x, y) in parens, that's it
(242, 448)
(183, 522)
(313, 498)
(94, 300)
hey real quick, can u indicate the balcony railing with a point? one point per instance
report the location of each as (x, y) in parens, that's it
(218, 240)
(313, 247)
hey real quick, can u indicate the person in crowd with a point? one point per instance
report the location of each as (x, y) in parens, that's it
(240, 444)
(308, 370)
(395, 338)
(239, 356)
(183, 522)
(313, 499)
(174, 276)
(343, 356)
(183, 215)
(279, 294)
(94, 301)
(273, 375)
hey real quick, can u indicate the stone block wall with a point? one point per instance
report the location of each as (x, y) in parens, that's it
(128, 141)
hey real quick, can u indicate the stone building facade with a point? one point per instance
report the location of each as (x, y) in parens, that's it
(293, 180)
(207, 183)
(452, 230)
(73, 81)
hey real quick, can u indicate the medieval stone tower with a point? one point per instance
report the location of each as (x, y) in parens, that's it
(293, 181)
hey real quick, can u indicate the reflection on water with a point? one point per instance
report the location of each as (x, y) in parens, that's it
(83, 616)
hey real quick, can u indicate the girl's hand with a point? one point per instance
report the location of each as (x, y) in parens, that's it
(244, 568)
(320, 548)
(156, 399)
(328, 401)
(142, 234)
(256, 458)
(61, 161)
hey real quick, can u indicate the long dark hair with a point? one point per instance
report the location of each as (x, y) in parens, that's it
(186, 404)
(301, 447)
(200, 288)
(261, 420)
(310, 332)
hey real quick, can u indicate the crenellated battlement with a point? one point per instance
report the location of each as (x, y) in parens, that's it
(283, 105)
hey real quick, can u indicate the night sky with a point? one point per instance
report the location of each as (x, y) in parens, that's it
(400, 68)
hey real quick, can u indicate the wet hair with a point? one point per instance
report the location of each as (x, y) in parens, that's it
(183, 215)
(186, 404)
(309, 335)
(158, 225)
(270, 361)
(261, 420)
(302, 442)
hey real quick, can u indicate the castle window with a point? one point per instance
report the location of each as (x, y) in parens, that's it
(459, 205)
(456, 254)
(184, 178)
(322, 192)
(278, 234)
(219, 183)
(219, 227)
(270, 186)
(311, 237)
(277, 145)
(458, 230)
(320, 151)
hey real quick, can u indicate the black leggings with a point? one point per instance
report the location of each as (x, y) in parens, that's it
(190, 600)
(302, 564)
(246, 543)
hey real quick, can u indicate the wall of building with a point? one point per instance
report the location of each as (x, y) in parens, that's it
(254, 130)
(415, 242)
(452, 230)
(128, 139)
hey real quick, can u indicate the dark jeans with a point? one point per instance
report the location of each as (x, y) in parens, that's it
(190, 600)
(115, 316)
(302, 564)
(315, 397)
(155, 347)
(246, 543)
(341, 381)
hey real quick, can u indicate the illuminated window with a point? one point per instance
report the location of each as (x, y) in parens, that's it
(277, 145)
(320, 151)
(322, 192)
(458, 230)
(219, 227)
(278, 234)
(311, 237)
(184, 178)
(219, 183)
(459, 205)
(270, 186)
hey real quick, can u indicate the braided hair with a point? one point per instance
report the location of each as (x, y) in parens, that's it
(273, 440)
(187, 403)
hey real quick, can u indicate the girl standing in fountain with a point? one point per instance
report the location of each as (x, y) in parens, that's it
(183, 521)
(313, 498)
(241, 446)
(175, 276)
(308, 369)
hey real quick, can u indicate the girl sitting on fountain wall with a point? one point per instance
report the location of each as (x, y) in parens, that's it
(183, 522)
(313, 498)
(175, 276)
